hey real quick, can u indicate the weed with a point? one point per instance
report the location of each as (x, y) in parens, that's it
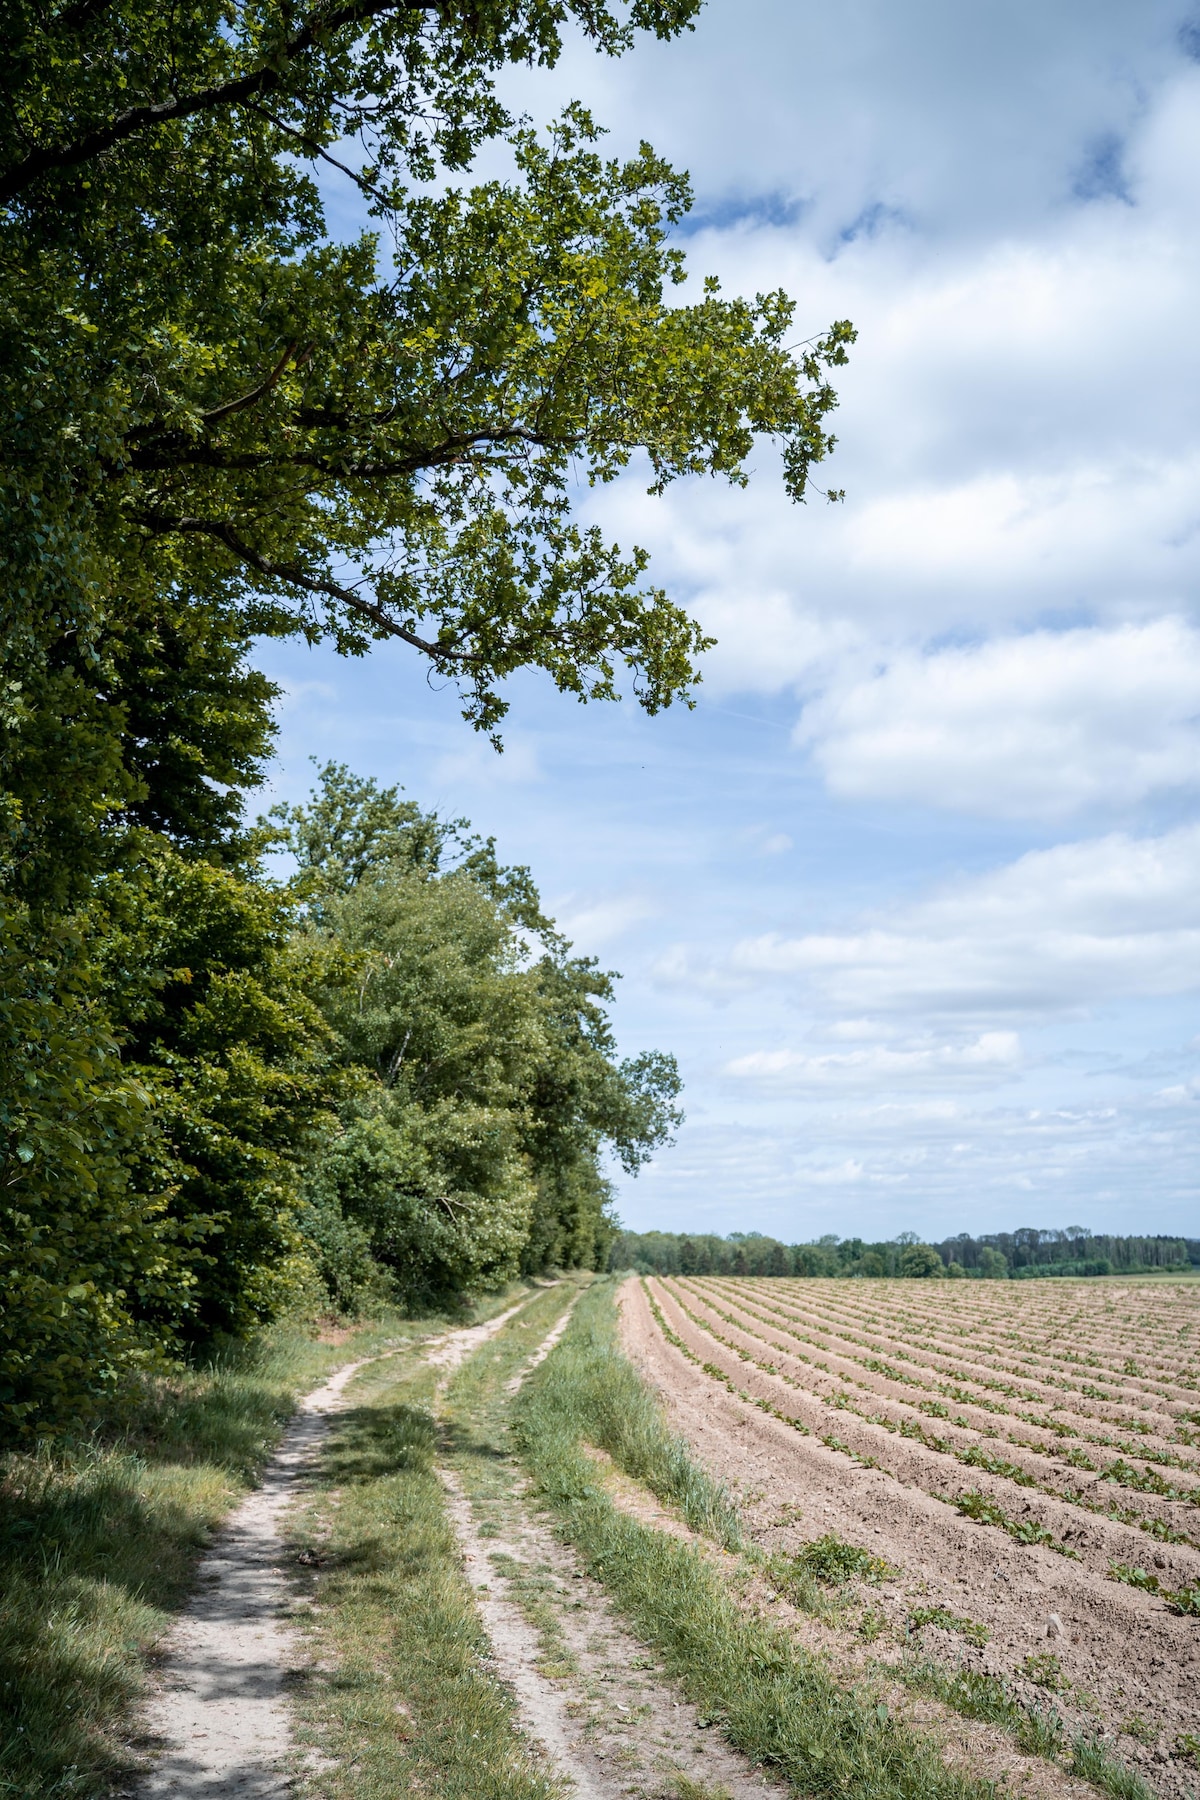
(1188, 1746)
(1040, 1731)
(1045, 1671)
(872, 1624)
(987, 1697)
(940, 1615)
(1091, 1760)
(832, 1561)
(1141, 1729)
(687, 1787)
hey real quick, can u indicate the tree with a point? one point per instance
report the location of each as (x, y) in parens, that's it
(921, 1261)
(208, 397)
(219, 423)
(482, 1085)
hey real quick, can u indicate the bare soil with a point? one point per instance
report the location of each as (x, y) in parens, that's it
(1123, 1658)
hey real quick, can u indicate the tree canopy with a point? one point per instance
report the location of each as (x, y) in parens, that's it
(222, 420)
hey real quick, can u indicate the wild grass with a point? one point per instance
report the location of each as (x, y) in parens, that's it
(1091, 1760)
(98, 1541)
(1038, 1730)
(776, 1702)
(974, 1633)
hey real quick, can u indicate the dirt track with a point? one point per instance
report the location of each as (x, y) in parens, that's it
(1124, 1656)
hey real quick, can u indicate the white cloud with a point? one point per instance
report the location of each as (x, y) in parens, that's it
(591, 923)
(1057, 931)
(991, 1057)
(1037, 726)
(476, 762)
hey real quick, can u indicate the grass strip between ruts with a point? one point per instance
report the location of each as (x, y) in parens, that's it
(777, 1703)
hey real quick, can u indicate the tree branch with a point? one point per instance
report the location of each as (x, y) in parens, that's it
(185, 453)
(224, 533)
(264, 387)
(264, 79)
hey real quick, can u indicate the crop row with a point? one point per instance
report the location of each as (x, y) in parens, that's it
(899, 1417)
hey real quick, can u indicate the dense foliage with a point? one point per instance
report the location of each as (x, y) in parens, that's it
(220, 421)
(1022, 1254)
(479, 1085)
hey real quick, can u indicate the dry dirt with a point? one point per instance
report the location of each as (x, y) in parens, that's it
(1124, 1658)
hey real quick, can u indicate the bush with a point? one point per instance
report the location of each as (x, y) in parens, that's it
(921, 1262)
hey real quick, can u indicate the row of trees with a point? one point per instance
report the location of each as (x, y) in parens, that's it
(221, 422)
(1019, 1254)
(386, 1078)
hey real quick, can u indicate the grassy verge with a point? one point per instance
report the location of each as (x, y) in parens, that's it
(777, 1703)
(98, 1541)
(403, 1700)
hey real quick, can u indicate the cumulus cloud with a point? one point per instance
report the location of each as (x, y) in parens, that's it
(1057, 931)
(1038, 726)
(991, 1056)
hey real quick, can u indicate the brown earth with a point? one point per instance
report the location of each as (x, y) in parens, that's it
(1123, 1658)
(742, 1329)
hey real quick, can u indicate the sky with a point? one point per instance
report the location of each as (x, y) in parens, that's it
(913, 893)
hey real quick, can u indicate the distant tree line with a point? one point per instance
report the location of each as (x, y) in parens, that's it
(1029, 1252)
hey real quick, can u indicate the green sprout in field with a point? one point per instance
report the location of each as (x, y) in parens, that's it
(941, 1615)
(1185, 1600)
(1045, 1671)
(977, 1506)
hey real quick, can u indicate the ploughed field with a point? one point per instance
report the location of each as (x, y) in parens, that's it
(1023, 1458)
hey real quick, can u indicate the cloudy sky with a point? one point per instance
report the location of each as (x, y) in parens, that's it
(914, 893)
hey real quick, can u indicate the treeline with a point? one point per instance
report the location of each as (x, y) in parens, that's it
(384, 1079)
(1022, 1254)
(224, 422)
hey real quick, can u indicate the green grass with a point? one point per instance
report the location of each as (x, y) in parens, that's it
(98, 1541)
(776, 1702)
(949, 1621)
(1092, 1761)
(1038, 1730)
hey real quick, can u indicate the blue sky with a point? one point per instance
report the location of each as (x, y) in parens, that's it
(914, 893)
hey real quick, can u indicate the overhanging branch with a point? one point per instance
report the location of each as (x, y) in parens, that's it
(223, 533)
(263, 80)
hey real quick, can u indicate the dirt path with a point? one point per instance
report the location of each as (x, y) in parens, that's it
(1123, 1656)
(588, 1692)
(218, 1724)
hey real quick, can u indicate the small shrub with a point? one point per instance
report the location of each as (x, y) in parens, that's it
(835, 1562)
